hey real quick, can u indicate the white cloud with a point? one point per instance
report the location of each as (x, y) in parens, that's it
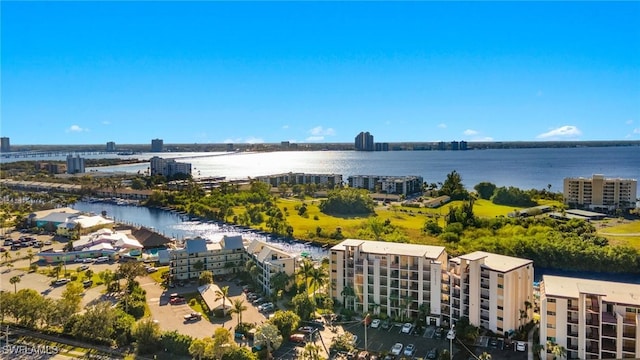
(442, 126)
(106, 122)
(285, 126)
(320, 131)
(253, 140)
(561, 132)
(315, 138)
(629, 122)
(636, 131)
(482, 139)
(470, 132)
(76, 128)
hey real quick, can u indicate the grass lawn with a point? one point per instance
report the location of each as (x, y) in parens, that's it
(157, 276)
(627, 233)
(409, 219)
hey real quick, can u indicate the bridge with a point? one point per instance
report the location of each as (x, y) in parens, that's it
(47, 153)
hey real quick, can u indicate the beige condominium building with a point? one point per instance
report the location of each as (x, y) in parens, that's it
(599, 192)
(269, 261)
(591, 319)
(493, 291)
(385, 277)
(221, 258)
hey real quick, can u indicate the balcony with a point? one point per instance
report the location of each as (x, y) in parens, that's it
(593, 335)
(572, 346)
(572, 320)
(629, 348)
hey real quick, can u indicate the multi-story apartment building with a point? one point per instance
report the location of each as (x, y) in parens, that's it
(364, 142)
(221, 258)
(111, 146)
(591, 319)
(168, 167)
(269, 261)
(157, 145)
(405, 185)
(328, 180)
(384, 277)
(75, 165)
(493, 291)
(599, 192)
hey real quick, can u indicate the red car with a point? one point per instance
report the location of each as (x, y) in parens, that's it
(177, 301)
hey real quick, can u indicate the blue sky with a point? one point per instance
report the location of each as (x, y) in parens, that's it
(213, 72)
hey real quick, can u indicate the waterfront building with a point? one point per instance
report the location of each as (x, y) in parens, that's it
(600, 193)
(591, 319)
(111, 146)
(463, 145)
(328, 180)
(52, 168)
(455, 145)
(401, 185)
(442, 145)
(494, 291)
(391, 278)
(269, 261)
(382, 146)
(75, 164)
(5, 144)
(157, 145)
(168, 167)
(364, 142)
(221, 258)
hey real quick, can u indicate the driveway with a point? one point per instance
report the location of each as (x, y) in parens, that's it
(170, 317)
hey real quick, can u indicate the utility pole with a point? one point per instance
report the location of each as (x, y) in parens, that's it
(366, 318)
(451, 335)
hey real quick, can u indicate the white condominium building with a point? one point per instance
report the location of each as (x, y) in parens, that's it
(493, 291)
(328, 180)
(591, 319)
(385, 277)
(270, 260)
(599, 192)
(221, 258)
(405, 185)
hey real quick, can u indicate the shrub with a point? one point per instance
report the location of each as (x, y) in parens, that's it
(192, 302)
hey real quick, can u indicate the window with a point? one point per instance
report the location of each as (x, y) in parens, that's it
(551, 300)
(500, 275)
(550, 326)
(500, 286)
(499, 318)
(551, 313)
(500, 307)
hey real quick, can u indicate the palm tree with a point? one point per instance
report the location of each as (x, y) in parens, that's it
(347, 293)
(57, 270)
(30, 256)
(238, 308)
(6, 256)
(14, 281)
(306, 267)
(311, 352)
(222, 294)
(319, 278)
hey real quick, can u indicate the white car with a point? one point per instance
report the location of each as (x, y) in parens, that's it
(406, 328)
(409, 350)
(375, 323)
(396, 349)
(521, 346)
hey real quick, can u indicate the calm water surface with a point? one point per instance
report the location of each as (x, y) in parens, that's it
(523, 168)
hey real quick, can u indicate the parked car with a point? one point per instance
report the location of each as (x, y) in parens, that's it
(194, 316)
(396, 349)
(83, 267)
(87, 283)
(177, 300)
(102, 259)
(409, 350)
(266, 307)
(386, 324)
(151, 270)
(8, 242)
(306, 329)
(521, 346)
(432, 354)
(47, 242)
(62, 281)
(297, 338)
(406, 328)
(88, 260)
(3, 250)
(375, 323)
(78, 260)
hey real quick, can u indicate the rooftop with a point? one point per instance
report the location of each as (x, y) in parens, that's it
(568, 287)
(496, 262)
(383, 247)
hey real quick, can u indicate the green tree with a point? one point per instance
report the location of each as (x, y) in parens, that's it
(222, 294)
(198, 265)
(267, 335)
(485, 190)
(319, 278)
(347, 201)
(107, 276)
(30, 256)
(453, 187)
(176, 343)
(222, 342)
(96, 324)
(198, 348)
(286, 321)
(206, 277)
(303, 306)
(311, 351)
(14, 281)
(239, 353)
(279, 281)
(343, 342)
(146, 333)
(305, 270)
(238, 308)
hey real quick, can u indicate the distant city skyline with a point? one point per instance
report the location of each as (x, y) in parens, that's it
(318, 72)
